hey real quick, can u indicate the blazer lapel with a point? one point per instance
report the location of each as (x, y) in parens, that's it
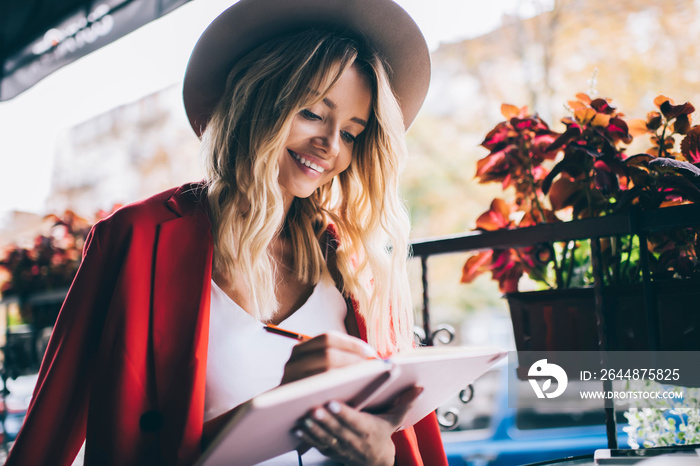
(180, 327)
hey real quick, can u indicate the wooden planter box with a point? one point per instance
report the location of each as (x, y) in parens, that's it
(564, 320)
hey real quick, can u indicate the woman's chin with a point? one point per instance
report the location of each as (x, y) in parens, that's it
(304, 195)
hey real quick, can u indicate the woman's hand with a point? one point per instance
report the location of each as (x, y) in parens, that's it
(324, 352)
(354, 437)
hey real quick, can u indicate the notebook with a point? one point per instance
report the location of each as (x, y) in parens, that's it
(261, 428)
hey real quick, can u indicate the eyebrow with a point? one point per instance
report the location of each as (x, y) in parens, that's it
(330, 104)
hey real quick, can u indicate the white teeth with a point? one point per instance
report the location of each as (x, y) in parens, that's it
(308, 163)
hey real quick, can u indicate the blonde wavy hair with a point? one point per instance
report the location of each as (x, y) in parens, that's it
(241, 146)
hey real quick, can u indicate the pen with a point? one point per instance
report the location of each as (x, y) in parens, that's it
(370, 353)
(286, 333)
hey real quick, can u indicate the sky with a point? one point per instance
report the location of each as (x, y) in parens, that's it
(150, 59)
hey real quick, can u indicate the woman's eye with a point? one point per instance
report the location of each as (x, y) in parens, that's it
(309, 115)
(349, 138)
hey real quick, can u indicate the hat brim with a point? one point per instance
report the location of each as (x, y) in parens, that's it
(250, 23)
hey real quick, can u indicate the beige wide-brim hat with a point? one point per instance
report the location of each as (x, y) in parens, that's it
(249, 23)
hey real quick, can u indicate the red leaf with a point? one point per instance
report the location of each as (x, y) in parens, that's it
(682, 124)
(496, 136)
(672, 111)
(496, 218)
(690, 145)
(486, 164)
(507, 180)
(618, 125)
(571, 132)
(475, 266)
(508, 277)
(654, 121)
(524, 123)
(602, 106)
(562, 192)
(605, 179)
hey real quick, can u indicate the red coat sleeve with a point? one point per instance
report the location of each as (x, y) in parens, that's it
(54, 428)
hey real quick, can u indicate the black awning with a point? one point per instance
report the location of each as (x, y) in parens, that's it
(37, 37)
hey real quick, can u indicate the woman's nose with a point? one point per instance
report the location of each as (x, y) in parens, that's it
(329, 142)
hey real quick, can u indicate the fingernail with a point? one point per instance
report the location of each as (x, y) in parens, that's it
(369, 351)
(298, 433)
(319, 413)
(334, 407)
(309, 423)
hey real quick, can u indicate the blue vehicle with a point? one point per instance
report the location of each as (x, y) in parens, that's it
(491, 433)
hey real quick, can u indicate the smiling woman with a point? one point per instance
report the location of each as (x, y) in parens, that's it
(299, 221)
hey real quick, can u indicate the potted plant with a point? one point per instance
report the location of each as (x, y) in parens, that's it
(46, 268)
(581, 173)
(33, 283)
(50, 263)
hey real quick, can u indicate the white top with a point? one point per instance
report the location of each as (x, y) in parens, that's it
(244, 360)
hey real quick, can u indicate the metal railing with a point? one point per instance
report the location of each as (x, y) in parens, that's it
(633, 222)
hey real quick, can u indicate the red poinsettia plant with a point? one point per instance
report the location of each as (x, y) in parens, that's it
(584, 172)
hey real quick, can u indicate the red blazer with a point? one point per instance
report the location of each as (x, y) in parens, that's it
(126, 362)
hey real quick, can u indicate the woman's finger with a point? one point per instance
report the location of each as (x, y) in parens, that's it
(349, 436)
(313, 433)
(402, 405)
(322, 361)
(394, 414)
(324, 352)
(350, 440)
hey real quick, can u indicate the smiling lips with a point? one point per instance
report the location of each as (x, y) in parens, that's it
(307, 163)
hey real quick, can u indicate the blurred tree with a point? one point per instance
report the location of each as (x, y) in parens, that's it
(543, 53)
